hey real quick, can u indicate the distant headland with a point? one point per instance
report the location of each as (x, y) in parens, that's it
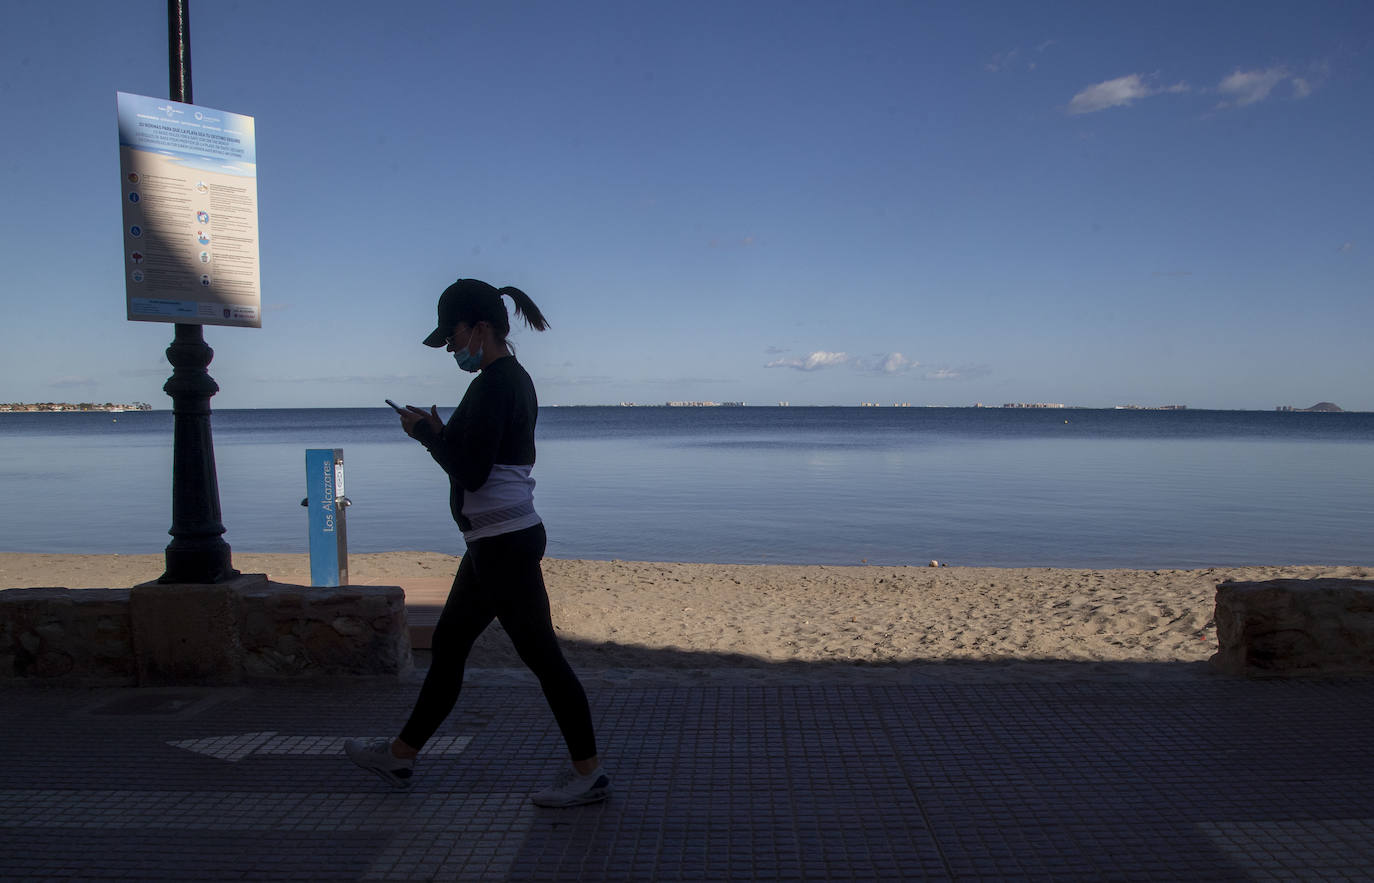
(1319, 406)
(74, 406)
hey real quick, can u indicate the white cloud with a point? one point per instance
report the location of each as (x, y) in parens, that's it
(1001, 60)
(1112, 93)
(1010, 58)
(1248, 87)
(878, 363)
(889, 363)
(1253, 86)
(1238, 89)
(1347, 246)
(896, 363)
(813, 361)
(1120, 93)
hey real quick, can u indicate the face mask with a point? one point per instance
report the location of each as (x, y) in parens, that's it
(468, 361)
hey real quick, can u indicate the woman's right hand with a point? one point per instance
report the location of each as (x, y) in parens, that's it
(412, 417)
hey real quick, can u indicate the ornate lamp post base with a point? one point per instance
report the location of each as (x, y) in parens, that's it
(198, 552)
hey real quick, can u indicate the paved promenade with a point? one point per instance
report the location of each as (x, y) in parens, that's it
(1037, 771)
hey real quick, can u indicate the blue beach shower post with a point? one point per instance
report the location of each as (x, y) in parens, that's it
(324, 484)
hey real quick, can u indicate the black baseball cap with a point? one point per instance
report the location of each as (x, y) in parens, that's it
(464, 300)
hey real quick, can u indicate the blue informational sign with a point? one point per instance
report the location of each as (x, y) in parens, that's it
(326, 501)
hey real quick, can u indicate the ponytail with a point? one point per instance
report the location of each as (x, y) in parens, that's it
(525, 308)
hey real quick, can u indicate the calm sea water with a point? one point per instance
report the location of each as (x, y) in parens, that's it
(1074, 488)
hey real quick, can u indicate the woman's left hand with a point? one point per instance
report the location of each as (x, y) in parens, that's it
(412, 417)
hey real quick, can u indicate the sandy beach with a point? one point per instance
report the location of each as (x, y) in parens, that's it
(654, 615)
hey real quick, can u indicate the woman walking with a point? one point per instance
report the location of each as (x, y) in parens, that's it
(487, 449)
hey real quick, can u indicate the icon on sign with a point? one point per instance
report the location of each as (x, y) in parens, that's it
(138, 275)
(136, 257)
(199, 115)
(200, 187)
(202, 237)
(205, 257)
(133, 196)
(226, 313)
(133, 177)
(203, 217)
(136, 231)
(205, 279)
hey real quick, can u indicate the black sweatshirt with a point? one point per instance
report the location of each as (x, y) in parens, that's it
(492, 426)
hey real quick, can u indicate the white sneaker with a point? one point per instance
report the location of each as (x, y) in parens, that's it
(376, 757)
(574, 789)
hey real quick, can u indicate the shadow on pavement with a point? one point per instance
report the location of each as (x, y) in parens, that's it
(724, 767)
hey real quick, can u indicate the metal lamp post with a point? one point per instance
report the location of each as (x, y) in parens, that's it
(197, 552)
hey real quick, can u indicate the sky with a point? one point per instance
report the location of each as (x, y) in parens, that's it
(821, 203)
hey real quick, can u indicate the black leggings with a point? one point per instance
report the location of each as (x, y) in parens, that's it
(499, 578)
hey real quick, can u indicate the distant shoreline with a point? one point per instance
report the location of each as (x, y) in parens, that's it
(71, 407)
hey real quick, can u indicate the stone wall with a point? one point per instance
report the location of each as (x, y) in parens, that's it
(350, 630)
(66, 634)
(245, 629)
(1287, 627)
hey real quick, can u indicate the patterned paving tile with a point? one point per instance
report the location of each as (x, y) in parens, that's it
(836, 779)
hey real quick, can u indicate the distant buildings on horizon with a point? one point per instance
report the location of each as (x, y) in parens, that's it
(109, 407)
(1151, 407)
(686, 405)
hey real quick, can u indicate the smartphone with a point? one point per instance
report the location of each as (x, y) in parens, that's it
(395, 407)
